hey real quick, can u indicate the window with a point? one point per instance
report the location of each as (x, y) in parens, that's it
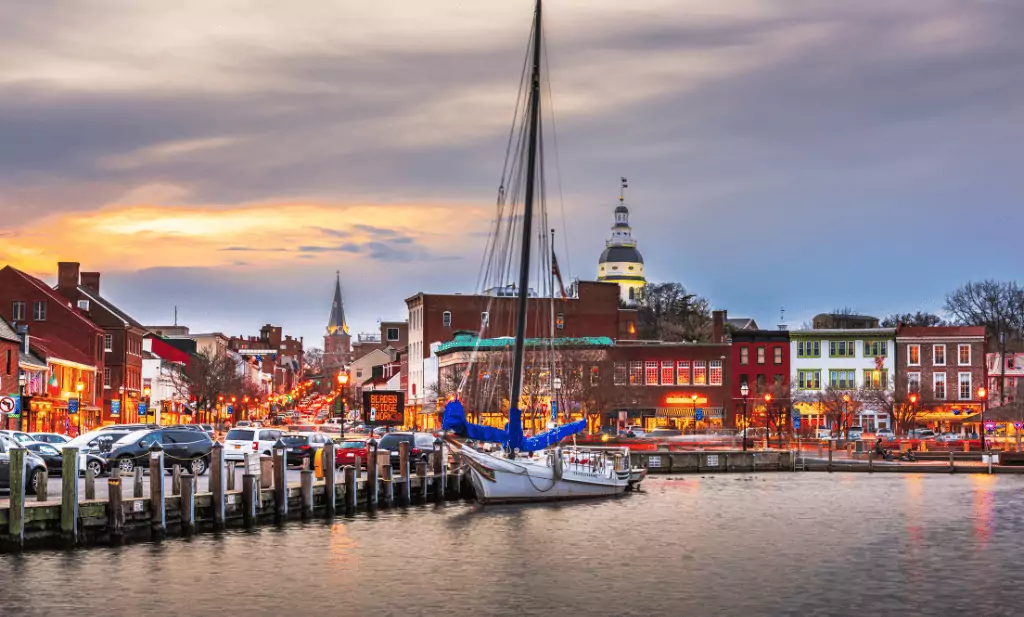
(560, 321)
(595, 374)
(777, 353)
(619, 377)
(939, 386)
(108, 342)
(393, 332)
(744, 355)
(446, 319)
(636, 373)
(683, 372)
(939, 355)
(842, 349)
(808, 349)
(651, 374)
(875, 349)
(760, 355)
(777, 380)
(913, 383)
(914, 355)
(842, 380)
(668, 373)
(808, 379)
(39, 310)
(875, 379)
(700, 373)
(9, 367)
(715, 374)
(963, 353)
(18, 313)
(106, 377)
(744, 381)
(761, 382)
(965, 387)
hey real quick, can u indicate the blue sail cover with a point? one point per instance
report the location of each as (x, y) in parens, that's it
(512, 437)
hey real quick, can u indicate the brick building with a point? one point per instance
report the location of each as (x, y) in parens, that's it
(277, 354)
(760, 359)
(593, 311)
(10, 348)
(122, 341)
(71, 344)
(945, 366)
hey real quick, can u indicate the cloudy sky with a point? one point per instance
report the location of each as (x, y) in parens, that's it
(228, 157)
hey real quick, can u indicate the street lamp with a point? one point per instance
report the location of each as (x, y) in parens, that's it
(744, 392)
(913, 406)
(767, 413)
(983, 396)
(120, 397)
(846, 416)
(693, 401)
(79, 387)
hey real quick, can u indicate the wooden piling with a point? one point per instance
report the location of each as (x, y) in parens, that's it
(43, 489)
(330, 479)
(389, 486)
(351, 488)
(90, 484)
(217, 485)
(231, 471)
(137, 483)
(951, 467)
(403, 472)
(421, 473)
(157, 505)
(280, 482)
(441, 470)
(188, 504)
(372, 479)
(830, 455)
(250, 485)
(115, 507)
(69, 497)
(16, 513)
(306, 484)
(871, 461)
(176, 480)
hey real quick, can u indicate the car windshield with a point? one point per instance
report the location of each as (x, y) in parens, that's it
(391, 441)
(23, 437)
(353, 444)
(131, 437)
(48, 450)
(295, 440)
(237, 434)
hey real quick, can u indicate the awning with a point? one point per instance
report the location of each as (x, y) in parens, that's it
(687, 412)
(1013, 412)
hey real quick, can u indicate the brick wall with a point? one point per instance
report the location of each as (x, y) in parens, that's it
(8, 367)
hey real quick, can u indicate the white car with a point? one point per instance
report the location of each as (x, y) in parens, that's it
(238, 441)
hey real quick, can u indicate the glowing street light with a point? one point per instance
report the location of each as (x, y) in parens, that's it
(983, 397)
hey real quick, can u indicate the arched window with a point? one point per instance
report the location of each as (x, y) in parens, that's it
(632, 293)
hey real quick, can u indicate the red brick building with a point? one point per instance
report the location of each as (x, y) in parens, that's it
(594, 311)
(760, 359)
(71, 343)
(944, 366)
(281, 355)
(10, 348)
(122, 342)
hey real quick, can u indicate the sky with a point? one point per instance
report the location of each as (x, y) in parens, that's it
(229, 157)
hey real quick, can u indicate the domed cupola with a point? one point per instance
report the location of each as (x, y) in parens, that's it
(620, 261)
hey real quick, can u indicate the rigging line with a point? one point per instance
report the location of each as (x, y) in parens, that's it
(558, 166)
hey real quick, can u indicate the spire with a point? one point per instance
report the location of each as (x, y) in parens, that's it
(337, 321)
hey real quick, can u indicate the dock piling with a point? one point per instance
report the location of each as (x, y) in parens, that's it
(115, 506)
(187, 490)
(351, 488)
(421, 473)
(306, 484)
(90, 484)
(217, 485)
(43, 489)
(69, 497)
(250, 486)
(280, 482)
(16, 513)
(176, 480)
(951, 468)
(389, 486)
(137, 484)
(157, 505)
(330, 479)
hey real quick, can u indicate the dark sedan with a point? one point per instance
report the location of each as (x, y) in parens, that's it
(186, 447)
(54, 459)
(303, 446)
(421, 445)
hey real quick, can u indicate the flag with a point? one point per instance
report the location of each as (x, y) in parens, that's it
(558, 275)
(624, 185)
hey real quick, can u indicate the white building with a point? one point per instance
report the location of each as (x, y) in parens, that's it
(621, 262)
(848, 359)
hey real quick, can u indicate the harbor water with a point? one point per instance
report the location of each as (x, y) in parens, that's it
(740, 544)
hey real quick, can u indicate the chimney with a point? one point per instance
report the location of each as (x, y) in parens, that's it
(718, 326)
(67, 279)
(91, 281)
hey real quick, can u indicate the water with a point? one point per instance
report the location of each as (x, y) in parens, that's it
(784, 544)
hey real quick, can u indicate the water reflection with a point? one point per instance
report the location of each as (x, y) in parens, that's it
(783, 544)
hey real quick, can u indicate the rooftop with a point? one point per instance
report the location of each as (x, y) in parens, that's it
(468, 342)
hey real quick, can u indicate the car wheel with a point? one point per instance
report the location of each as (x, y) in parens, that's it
(32, 487)
(96, 467)
(126, 465)
(199, 466)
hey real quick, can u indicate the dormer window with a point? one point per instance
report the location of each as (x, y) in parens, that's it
(83, 305)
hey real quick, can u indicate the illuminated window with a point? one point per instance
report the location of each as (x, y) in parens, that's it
(939, 386)
(875, 379)
(964, 354)
(619, 378)
(778, 355)
(560, 321)
(716, 373)
(700, 373)
(683, 372)
(939, 355)
(636, 373)
(914, 355)
(668, 373)
(595, 374)
(965, 386)
(651, 373)
(744, 355)
(760, 355)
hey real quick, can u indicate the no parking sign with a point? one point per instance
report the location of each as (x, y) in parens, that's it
(10, 405)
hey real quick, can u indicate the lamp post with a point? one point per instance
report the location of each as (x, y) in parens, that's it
(693, 401)
(120, 398)
(983, 396)
(767, 415)
(745, 393)
(342, 383)
(846, 416)
(79, 387)
(913, 407)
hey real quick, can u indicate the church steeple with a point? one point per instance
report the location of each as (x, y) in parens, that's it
(337, 323)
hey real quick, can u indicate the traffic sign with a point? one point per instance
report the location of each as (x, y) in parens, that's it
(72, 405)
(699, 414)
(231, 409)
(554, 411)
(142, 408)
(10, 405)
(115, 408)
(796, 421)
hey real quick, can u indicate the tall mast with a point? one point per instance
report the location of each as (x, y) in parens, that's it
(515, 418)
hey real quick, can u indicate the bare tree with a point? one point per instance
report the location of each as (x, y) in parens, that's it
(314, 359)
(839, 407)
(999, 306)
(903, 412)
(917, 319)
(667, 312)
(206, 377)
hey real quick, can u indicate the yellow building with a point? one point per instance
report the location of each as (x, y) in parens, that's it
(621, 262)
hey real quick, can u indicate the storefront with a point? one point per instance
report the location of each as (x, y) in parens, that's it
(687, 418)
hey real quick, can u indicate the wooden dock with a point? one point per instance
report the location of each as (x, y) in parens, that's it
(77, 520)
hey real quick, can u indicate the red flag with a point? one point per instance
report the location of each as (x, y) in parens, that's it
(558, 275)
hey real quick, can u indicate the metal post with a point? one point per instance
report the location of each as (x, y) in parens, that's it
(16, 513)
(187, 490)
(280, 481)
(330, 479)
(69, 496)
(744, 434)
(217, 485)
(157, 505)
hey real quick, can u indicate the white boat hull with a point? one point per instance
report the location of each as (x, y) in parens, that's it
(502, 480)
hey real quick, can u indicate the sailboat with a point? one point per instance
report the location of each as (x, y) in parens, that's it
(534, 468)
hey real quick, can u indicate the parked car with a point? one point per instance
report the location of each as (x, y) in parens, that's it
(420, 446)
(34, 466)
(634, 430)
(347, 451)
(823, 434)
(335, 423)
(661, 433)
(238, 441)
(102, 439)
(948, 437)
(188, 448)
(54, 459)
(301, 447)
(51, 438)
(854, 433)
(921, 433)
(242, 424)
(885, 434)
(19, 436)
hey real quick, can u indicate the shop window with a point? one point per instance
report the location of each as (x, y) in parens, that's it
(668, 373)
(619, 377)
(715, 375)
(651, 373)
(636, 373)
(683, 372)
(700, 373)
